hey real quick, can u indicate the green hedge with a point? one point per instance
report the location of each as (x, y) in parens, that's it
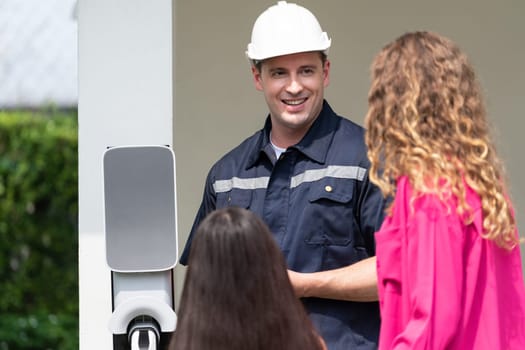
(38, 230)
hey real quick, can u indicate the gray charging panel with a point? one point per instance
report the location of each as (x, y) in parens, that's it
(140, 208)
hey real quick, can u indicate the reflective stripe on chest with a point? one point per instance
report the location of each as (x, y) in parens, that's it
(336, 171)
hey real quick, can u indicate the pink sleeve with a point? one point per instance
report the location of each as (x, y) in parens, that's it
(432, 287)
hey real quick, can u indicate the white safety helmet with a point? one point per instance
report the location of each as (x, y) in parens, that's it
(285, 29)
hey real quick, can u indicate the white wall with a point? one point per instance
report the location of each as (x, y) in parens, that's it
(125, 98)
(216, 105)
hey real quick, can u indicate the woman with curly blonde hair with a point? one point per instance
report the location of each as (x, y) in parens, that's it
(448, 259)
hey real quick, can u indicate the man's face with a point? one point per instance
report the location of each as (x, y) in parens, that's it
(293, 86)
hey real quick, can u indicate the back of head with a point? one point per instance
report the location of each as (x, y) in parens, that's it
(426, 114)
(237, 294)
(424, 95)
(284, 29)
(427, 120)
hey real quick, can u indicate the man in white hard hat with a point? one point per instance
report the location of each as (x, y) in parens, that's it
(306, 175)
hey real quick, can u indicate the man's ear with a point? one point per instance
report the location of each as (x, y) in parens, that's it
(257, 78)
(326, 73)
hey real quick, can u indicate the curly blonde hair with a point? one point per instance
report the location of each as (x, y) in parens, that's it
(426, 120)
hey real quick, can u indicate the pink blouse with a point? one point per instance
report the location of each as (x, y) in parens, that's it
(441, 285)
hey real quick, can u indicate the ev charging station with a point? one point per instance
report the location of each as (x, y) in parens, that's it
(141, 244)
(127, 214)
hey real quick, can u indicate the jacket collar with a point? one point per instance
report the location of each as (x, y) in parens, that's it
(315, 144)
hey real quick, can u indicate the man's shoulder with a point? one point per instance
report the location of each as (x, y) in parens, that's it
(349, 134)
(241, 153)
(345, 124)
(348, 142)
(349, 126)
(248, 145)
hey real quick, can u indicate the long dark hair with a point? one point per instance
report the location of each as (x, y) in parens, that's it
(237, 294)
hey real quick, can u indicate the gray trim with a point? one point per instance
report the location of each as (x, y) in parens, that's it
(338, 171)
(243, 184)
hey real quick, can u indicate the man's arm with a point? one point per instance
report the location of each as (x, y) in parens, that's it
(356, 282)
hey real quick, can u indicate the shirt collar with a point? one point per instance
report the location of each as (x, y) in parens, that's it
(315, 144)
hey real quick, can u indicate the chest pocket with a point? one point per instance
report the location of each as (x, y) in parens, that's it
(234, 198)
(329, 213)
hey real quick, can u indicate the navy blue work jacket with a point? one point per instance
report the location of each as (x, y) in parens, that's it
(319, 204)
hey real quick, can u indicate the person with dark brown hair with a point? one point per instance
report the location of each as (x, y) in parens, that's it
(237, 294)
(448, 255)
